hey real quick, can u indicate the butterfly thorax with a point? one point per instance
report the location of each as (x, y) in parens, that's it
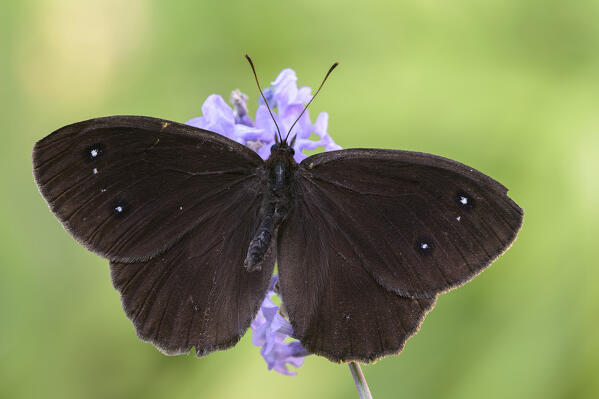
(280, 168)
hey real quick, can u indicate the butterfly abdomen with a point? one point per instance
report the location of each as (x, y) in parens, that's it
(276, 204)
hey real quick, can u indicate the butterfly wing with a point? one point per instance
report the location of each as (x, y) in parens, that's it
(198, 294)
(129, 187)
(374, 236)
(174, 208)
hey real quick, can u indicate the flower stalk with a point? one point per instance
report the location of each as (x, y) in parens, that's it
(360, 381)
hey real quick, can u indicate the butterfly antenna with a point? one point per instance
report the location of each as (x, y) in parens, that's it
(262, 94)
(312, 99)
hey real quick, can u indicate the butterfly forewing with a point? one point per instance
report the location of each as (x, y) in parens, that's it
(129, 187)
(421, 224)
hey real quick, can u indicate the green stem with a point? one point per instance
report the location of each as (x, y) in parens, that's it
(360, 381)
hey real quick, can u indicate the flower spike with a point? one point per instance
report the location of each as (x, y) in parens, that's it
(259, 133)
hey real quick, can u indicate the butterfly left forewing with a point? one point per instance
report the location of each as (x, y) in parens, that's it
(422, 224)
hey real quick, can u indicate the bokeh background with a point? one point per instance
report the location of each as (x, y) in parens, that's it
(510, 87)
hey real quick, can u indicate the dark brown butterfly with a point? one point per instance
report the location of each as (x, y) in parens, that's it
(193, 222)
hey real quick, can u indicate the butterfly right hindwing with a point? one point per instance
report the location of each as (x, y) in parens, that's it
(198, 294)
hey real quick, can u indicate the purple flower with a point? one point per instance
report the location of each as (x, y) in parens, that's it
(270, 331)
(219, 118)
(287, 102)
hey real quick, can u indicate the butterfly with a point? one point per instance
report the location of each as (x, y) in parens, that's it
(193, 223)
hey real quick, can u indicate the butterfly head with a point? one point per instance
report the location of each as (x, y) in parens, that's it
(280, 141)
(282, 148)
(282, 151)
(281, 154)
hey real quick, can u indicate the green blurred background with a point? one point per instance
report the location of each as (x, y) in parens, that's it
(510, 87)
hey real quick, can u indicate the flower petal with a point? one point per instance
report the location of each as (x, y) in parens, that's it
(268, 94)
(304, 95)
(282, 326)
(309, 145)
(240, 109)
(246, 133)
(303, 127)
(264, 122)
(196, 122)
(217, 117)
(321, 125)
(264, 151)
(285, 88)
(270, 330)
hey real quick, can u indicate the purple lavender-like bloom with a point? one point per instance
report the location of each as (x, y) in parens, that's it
(270, 330)
(287, 102)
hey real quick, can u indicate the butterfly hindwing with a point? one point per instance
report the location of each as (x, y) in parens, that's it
(129, 187)
(374, 236)
(336, 308)
(198, 294)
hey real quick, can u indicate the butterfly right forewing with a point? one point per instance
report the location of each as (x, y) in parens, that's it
(128, 187)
